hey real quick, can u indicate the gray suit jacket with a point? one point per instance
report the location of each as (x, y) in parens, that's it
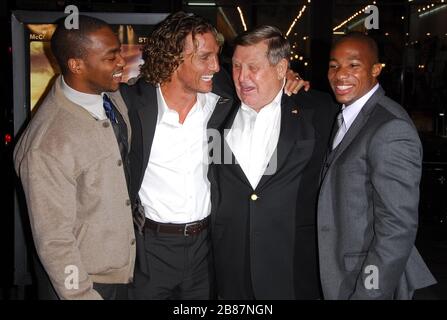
(368, 208)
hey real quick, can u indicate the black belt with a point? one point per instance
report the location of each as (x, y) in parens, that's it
(185, 229)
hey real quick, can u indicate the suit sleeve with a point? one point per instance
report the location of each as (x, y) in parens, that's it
(395, 160)
(51, 200)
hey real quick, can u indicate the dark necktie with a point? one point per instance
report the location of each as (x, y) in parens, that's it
(108, 108)
(334, 141)
(120, 129)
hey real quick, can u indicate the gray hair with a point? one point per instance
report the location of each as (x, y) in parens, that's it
(278, 47)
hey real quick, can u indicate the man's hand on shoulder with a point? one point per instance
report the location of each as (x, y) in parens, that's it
(294, 83)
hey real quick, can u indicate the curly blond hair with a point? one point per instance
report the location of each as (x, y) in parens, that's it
(163, 52)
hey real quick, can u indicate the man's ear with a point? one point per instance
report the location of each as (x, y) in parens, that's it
(75, 65)
(376, 69)
(282, 68)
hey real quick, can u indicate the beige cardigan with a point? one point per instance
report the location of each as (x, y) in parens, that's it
(72, 175)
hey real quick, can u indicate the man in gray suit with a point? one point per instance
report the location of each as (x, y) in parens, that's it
(368, 201)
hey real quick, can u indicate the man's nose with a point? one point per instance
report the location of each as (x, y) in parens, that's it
(242, 74)
(121, 61)
(214, 64)
(342, 73)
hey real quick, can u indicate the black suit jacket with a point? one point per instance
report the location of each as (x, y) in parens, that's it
(264, 240)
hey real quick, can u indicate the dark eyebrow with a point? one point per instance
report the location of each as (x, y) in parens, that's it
(351, 58)
(113, 51)
(354, 58)
(206, 53)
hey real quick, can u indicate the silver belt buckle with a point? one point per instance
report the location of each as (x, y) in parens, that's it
(186, 228)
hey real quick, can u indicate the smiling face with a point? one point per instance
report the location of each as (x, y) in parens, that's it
(353, 70)
(200, 63)
(257, 81)
(101, 69)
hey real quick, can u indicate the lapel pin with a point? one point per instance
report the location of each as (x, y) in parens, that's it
(295, 111)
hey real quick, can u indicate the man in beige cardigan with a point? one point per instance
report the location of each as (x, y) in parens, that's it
(72, 161)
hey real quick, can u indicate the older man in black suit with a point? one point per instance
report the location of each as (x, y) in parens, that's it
(263, 203)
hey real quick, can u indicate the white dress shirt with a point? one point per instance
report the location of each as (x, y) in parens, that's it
(175, 187)
(254, 136)
(93, 103)
(350, 112)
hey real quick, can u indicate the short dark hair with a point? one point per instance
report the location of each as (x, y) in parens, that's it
(163, 52)
(359, 36)
(72, 43)
(278, 47)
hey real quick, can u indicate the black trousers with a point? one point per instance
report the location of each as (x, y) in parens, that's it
(178, 268)
(109, 291)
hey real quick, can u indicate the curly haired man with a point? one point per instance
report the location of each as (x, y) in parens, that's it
(180, 95)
